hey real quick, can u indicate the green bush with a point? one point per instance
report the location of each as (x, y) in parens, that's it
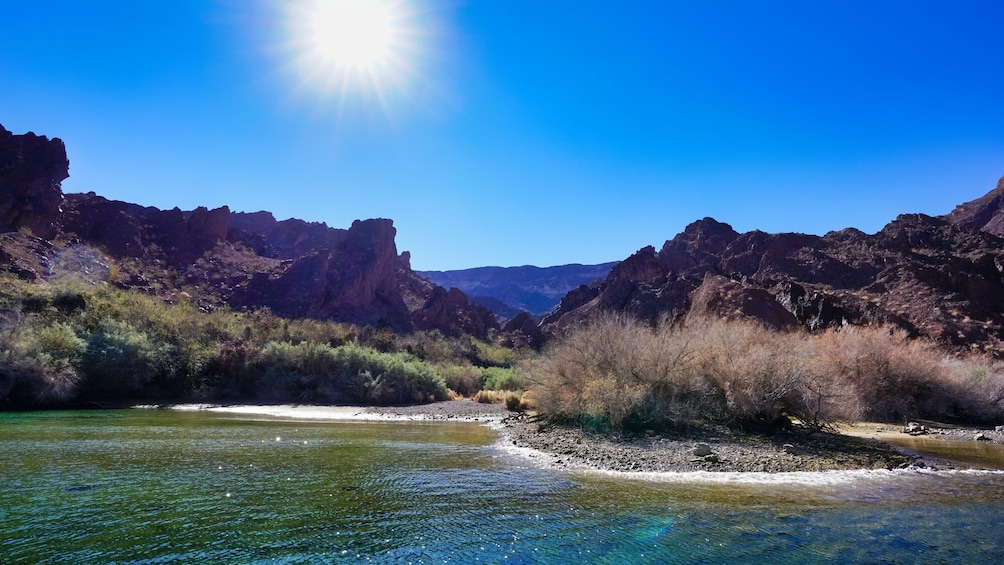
(465, 380)
(38, 365)
(499, 378)
(513, 403)
(121, 360)
(318, 372)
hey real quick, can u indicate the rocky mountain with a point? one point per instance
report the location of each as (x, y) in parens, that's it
(31, 170)
(214, 257)
(985, 213)
(510, 290)
(939, 277)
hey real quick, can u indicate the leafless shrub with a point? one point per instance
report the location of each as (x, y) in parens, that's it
(621, 373)
(978, 383)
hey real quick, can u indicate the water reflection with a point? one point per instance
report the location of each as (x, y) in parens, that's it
(978, 453)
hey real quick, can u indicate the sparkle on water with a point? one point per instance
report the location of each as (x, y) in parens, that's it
(164, 486)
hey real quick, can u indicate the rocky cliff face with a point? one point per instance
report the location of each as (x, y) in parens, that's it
(985, 213)
(938, 277)
(31, 170)
(218, 257)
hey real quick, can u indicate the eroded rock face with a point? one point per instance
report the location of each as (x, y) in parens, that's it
(217, 257)
(721, 297)
(522, 331)
(815, 310)
(451, 312)
(938, 277)
(31, 170)
(985, 213)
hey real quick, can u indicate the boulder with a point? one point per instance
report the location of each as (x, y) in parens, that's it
(702, 450)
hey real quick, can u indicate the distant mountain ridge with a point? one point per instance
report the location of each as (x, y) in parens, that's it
(510, 290)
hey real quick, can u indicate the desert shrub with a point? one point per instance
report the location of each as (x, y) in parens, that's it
(120, 360)
(620, 372)
(499, 378)
(231, 372)
(382, 339)
(979, 385)
(758, 371)
(514, 402)
(285, 368)
(488, 396)
(319, 331)
(38, 364)
(432, 346)
(484, 354)
(465, 380)
(138, 346)
(891, 377)
(313, 372)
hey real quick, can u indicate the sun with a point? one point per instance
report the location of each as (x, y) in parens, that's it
(352, 34)
(350, 48)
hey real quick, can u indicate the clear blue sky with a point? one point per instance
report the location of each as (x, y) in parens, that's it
(523, 132)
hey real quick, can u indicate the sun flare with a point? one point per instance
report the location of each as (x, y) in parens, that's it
(349, 48)
(352, 34)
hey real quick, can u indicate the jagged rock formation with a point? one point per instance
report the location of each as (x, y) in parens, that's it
(217, 257)
(510, 290)
(938, 277)
(521, 331)
(31, 170)
(985, 213)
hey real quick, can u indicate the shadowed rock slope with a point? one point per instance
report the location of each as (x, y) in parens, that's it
(939, 277)
(214, 257)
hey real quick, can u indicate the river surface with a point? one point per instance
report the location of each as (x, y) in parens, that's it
(152, 486)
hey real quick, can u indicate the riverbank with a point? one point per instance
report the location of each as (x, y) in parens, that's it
(452, 411)
(714, 449)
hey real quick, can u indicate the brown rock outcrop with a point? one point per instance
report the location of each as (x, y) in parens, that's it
(217, 257)
(938, 277)
(522, 331)
(985, 213)
(31, 170)
(719, 296)
(451, 312)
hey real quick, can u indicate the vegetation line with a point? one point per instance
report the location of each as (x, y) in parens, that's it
(74, 343)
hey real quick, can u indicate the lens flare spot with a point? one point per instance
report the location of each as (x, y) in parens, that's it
(81, 262)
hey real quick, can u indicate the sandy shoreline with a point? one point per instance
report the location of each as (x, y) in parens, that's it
(453, 411)
(706, 451)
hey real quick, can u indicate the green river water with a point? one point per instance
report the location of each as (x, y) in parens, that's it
(154, 486)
